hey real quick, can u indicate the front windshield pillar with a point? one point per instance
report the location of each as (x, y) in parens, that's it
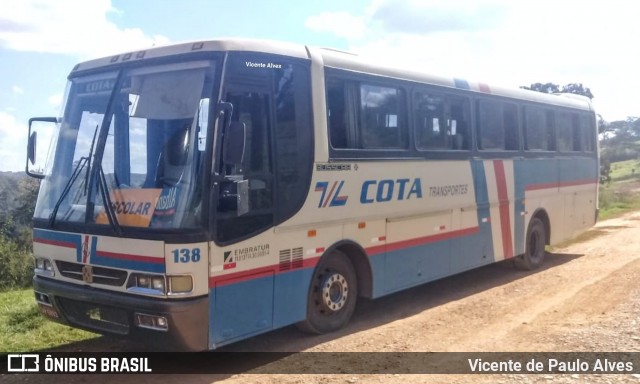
(94, 166)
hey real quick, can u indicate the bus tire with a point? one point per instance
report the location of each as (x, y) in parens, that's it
(534, 247)
(332, 295)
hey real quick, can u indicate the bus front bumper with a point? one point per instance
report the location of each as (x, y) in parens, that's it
(185, 325)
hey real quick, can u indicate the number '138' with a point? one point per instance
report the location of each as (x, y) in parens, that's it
(186, 255)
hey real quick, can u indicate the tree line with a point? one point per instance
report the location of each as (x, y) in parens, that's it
(18, 194)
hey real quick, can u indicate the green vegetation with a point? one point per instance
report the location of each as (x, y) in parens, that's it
(23, 329)
(16, 264)
(17, 202)
(625, 170)
(622, 193)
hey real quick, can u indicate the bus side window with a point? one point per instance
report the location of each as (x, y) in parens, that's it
(382, 120)
(538, 129)
(498, 125)
(587, 131)
(458, 122)
(342, 99)
(577, 133)
(337, 115)
(430, 122)
(491, 125)
(564, 131)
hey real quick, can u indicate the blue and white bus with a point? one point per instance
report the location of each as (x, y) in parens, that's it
(203, 193)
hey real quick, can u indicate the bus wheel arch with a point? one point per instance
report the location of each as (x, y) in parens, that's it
(360, 262)
(341, 275)
(537, 236)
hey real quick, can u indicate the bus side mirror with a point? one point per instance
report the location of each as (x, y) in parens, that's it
(35, 160)
(31, 147)
(233, 144)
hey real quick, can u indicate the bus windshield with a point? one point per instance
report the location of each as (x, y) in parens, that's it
(129, 149)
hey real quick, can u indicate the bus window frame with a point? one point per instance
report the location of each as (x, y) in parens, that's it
(356, 80)
(446, 95)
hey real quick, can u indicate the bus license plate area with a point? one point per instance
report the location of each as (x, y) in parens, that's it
(96, 316)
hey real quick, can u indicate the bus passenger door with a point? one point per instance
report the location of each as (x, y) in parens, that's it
(242, 292)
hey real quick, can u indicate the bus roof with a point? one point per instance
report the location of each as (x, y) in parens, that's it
(335, 59)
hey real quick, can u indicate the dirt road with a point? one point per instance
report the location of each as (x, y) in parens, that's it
(585, 298)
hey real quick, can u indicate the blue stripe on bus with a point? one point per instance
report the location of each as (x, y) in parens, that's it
(74, 241)
(257, 305)
(60, 239)
(484, 241)
(461, 84)
(127, 264)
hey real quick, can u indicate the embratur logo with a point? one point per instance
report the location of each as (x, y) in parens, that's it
(228, 262)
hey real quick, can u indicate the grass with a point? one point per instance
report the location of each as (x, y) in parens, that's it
(622, 194)
(625, 170)
(24, 329)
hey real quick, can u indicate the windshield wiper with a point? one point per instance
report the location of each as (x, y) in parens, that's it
(74, 176)
(84, 161)
(93, 142)
(108, 207)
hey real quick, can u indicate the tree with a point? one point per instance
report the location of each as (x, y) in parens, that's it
(621, 140)
(544, 88)
(577, 89)
(574, 88)
(27, 195)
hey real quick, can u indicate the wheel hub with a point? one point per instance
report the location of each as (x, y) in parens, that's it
(335, 291)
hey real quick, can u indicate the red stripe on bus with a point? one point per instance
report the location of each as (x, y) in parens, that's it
(125, 256)
(333, 187)
(238, 277)
(57, 243)
(376, 250)
(503, 201)
(421, 241)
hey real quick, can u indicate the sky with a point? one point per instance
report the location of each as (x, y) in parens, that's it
(500, 42)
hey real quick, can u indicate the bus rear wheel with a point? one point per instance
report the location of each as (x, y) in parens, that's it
(332, 295)
(534, 247)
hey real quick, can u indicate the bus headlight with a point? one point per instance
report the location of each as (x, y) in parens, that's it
(159, 285)
(142, 281)
(180, 284)
(147, 284)
(44, 266)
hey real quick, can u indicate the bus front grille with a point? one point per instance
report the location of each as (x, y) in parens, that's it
(100, 275)
(95, 316)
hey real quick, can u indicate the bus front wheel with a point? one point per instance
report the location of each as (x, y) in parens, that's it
(534, 247)
(332, 295)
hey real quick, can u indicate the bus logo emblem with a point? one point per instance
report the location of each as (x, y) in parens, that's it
(87, 274)
(229, 261)
(333, 198)
(85, 249)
